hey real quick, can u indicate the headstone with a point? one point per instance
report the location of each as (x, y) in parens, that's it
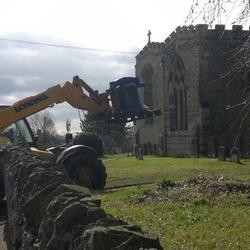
(138, 152)
(235, 155)
(221, 153)
(195, 147)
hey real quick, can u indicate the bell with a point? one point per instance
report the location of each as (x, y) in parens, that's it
(125, 100)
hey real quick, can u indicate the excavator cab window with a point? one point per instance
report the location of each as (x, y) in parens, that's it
(18, 133)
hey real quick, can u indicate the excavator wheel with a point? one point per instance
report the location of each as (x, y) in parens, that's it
(85, 168)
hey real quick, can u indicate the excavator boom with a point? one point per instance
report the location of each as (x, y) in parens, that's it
(120, 103)
(69, 92)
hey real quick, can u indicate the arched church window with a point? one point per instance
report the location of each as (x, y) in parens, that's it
(177, 95)
(147, 74)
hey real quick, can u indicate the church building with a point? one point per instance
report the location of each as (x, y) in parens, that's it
(192, 77)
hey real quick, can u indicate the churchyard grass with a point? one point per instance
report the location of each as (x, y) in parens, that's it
(123, 170)
(182, 218)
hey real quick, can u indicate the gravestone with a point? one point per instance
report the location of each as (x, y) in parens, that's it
(138, 153)
(195, 147)
(235, 155)
(221, 153)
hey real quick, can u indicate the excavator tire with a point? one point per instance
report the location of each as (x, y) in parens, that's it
(46, 211)
(86, 170)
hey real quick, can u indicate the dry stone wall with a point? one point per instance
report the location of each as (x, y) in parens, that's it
(47, 211)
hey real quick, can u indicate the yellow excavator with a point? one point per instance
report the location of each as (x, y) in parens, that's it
(120, 103)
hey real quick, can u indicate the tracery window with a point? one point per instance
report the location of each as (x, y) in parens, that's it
(147, 74)
(177, 95)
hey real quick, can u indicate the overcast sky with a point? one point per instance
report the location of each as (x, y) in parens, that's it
(113, 25)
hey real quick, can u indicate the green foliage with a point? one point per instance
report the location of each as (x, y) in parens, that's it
(146, 191)
(165, 183)
(201, 202)
(140, 196)
(113, 135)
(91, 124)
(185, 219)
(220, 222)
(123, 170)
(90, 139)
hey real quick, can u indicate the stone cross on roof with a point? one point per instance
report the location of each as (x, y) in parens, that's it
(149, 37)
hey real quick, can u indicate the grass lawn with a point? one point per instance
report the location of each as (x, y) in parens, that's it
(185, 217)
(123, 170)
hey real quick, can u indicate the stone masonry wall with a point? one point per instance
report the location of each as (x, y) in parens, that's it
(185, 45)
(205, 54)
(150, 133)
(48, 212)
(218, 87)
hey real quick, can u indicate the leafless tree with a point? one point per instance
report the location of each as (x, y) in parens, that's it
(44, 123)
(219, 11)
(237, 12)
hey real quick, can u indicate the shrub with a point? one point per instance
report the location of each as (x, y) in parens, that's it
(201, 202)
(90, 139)
(165, 183)
(139, 197)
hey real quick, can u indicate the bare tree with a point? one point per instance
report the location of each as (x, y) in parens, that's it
(237, 12)
(44, 123)
(219, 11)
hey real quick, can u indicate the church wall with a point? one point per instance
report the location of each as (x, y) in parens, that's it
(183, 142)
(204, 55)
(150, 133)
(218, 91)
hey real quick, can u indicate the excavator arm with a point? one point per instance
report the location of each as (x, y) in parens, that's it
(72, 93)
(120, 103)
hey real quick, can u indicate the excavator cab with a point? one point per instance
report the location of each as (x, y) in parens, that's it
(21, 133)
(18, 132)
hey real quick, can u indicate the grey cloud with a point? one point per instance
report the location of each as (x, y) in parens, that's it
(48, 65)
(29, 69)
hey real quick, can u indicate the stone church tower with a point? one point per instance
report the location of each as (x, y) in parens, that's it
(190, 77)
